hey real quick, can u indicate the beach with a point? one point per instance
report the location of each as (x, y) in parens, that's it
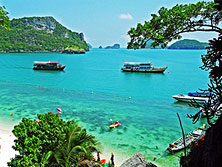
(6, 143)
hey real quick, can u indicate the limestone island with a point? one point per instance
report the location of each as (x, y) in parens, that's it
(41, 34)
(188, 44)
(115, 46)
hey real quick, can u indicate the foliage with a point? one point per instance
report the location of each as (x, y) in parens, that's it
(76, 143)
(30, 34)
(188, 44)
(4, 19)
(38, 139)
(168, 24)
(212, 62)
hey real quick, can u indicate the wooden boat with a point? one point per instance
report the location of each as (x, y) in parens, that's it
(190, 137)
(141, 67)
(198, 97)
(40, 65)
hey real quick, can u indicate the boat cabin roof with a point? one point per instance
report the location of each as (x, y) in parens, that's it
(45, 62)
(137, 63)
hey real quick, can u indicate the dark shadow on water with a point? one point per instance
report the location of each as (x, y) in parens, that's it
(49, 71)
(142, 73)
(182, 103)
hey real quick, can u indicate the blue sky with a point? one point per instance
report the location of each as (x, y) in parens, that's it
(103, 22)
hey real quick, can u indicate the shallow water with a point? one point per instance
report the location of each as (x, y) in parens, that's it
(93, 90)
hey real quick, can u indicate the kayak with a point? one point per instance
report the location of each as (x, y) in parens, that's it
(113, 126)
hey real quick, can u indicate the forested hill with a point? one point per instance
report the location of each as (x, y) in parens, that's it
(188, 44)
(39, 34)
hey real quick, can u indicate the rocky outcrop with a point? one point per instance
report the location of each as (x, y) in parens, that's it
(39, 34)
(100, 47)
(115, 46)
(137, 161)
(69, 51)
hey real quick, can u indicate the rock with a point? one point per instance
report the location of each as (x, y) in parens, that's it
(69, 51)
(100, 47)
(137, 161)
(115, 46)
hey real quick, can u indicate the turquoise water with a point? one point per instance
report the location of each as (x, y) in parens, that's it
(148, 118)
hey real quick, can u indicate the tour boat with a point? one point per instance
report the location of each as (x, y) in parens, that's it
(189, 138)
(40, 65)
(141, 67)
(198, 97)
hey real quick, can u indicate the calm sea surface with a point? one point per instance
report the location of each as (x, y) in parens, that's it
(141, 102)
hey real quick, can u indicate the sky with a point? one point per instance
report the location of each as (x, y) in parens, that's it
(103, 22)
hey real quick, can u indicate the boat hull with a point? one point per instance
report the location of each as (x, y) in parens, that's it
(48, 68)
(154, 70)
(186, 98)
(191, 137)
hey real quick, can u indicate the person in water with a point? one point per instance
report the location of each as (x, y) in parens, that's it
(117, 123)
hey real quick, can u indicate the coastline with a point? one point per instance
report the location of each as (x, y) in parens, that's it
(7, 152)
(6, 142)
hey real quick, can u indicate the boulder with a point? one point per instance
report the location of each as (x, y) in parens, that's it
(137, 161)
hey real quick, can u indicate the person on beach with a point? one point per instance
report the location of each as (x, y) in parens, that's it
(98, 157)
(112, 160)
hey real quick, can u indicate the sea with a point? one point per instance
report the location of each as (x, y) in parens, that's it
(93, 90)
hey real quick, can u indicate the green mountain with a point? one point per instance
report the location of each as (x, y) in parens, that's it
(39, 34)
(188, 44)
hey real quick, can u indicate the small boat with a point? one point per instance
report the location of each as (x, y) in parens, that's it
(41, 65)
(116, 124)
(141, 67)
(190, 137)
(198, 97)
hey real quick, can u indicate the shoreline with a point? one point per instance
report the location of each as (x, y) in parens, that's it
(6, 142)
(7, 152)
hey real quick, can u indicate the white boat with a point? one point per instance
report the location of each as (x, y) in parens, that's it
(141, 67)
(190, 97)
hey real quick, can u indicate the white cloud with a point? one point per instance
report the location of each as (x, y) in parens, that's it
(126, 16)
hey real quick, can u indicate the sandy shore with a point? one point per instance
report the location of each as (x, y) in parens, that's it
(6, 142)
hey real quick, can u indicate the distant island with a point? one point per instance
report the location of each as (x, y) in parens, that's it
(188, 44)
(115, 46)
(41, 34)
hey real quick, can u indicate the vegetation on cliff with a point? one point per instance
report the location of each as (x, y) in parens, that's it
(188, 44)
(30, 34)
(4, 19)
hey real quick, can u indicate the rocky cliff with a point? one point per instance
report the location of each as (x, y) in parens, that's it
(36, 34)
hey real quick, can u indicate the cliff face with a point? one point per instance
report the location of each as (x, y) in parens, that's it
(39, 34)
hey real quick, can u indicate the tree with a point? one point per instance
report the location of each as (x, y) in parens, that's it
(4, 19)
(168, 25)
(37, 140)
(76, 142)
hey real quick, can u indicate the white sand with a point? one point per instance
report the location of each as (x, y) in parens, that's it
(6, 142)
